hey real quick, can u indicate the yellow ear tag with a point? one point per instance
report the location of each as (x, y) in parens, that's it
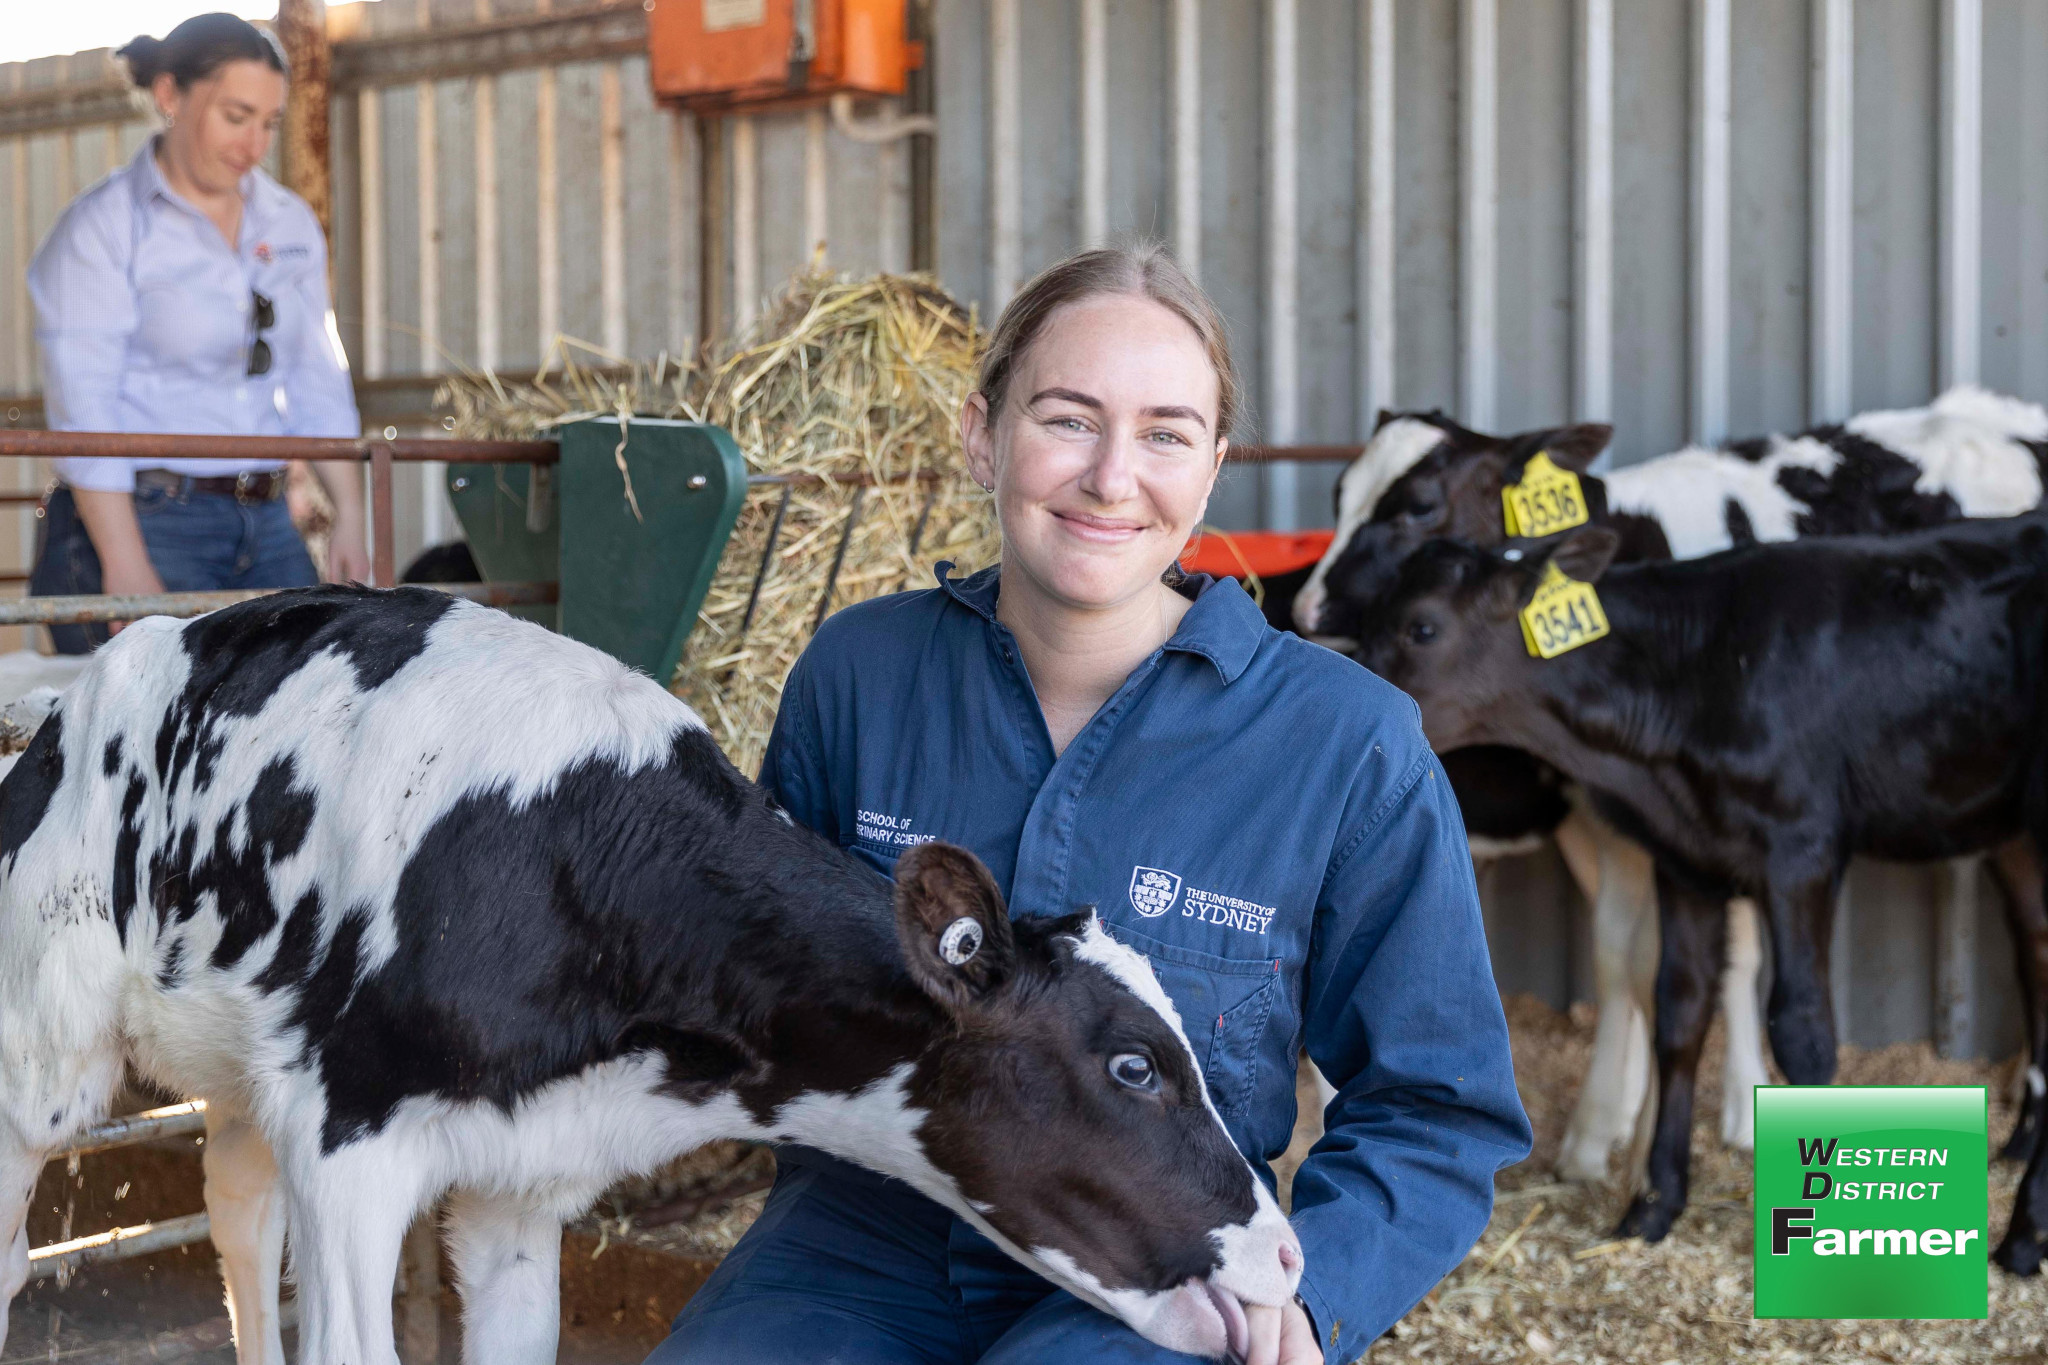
(1547, 500)
(1563, 615)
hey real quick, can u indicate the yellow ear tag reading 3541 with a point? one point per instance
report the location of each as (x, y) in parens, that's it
(1547, 500)
(1563, 615)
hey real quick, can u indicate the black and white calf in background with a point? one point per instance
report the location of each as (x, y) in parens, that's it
(1756, 719)
(422, 898)
(1969, 454)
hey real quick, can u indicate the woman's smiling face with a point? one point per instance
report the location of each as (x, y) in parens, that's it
(1105, 452)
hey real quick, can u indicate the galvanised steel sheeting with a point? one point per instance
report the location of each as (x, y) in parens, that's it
(1694, 218)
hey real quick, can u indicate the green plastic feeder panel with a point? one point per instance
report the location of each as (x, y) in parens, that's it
(634, 567)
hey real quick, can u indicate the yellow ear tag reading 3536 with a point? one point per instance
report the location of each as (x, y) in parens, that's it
(1547, 500)
(1563, 615)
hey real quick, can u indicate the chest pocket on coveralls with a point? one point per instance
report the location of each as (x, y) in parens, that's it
(1224, 1004)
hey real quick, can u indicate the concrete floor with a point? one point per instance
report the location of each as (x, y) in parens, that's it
(616, 1303)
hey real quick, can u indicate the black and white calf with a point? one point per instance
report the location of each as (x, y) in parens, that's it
(1756, 719)
(421, 898)
(1969, 454)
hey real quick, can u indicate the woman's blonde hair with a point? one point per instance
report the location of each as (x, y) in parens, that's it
(1145, 269)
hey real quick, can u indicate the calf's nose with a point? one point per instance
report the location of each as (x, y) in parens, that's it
(1290, 1258)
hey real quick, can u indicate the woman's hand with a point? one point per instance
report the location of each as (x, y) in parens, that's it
(116, 536)
(1281, 1336)
(347, 559)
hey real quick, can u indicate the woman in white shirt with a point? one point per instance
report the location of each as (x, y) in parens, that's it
(187, 292)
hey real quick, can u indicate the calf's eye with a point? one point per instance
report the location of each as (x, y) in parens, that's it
(1421, 632)
(1133, 1070)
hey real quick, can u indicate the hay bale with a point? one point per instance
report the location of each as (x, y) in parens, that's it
(854, 386)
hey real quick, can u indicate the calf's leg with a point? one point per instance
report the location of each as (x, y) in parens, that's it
(245, 1207)
(19, 1169)
(1694, 929)
(507, 1255)
(348, 1212)
(1802, 1008)
(2017, 865)
(2026, 1237)
(1742, 1067)
(1624, 903)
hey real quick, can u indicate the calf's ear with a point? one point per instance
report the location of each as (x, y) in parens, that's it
(1576, 447)
(1586, 553)
(953, 925)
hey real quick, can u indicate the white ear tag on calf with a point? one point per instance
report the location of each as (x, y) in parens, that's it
(961, 941)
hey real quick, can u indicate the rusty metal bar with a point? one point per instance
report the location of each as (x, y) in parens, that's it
(839, 556)
(383, 554)
(117, 1245)
(1304, 454)
(132, 445)
(58, 611)
(175, 1120)
(588, 33)
(820, 480)
(165, 446)
(767, 557)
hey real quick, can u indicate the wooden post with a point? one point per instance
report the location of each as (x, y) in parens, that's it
(383, 555)
(713, 228)
(302, 28)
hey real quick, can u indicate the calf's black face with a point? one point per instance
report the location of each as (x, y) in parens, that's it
(1446, 632)
(1067, 1107)
(1452, 488)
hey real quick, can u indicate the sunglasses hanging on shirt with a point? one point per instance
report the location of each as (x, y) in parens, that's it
(266, 318)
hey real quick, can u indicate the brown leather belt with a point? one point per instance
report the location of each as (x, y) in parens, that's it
(263, 486)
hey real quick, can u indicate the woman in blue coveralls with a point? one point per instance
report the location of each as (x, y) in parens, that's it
(1259, 815)
(187, 292)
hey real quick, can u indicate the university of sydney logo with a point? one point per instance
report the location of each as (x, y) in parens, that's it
(1153, 892)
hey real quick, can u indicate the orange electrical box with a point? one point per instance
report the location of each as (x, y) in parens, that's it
(712, 54)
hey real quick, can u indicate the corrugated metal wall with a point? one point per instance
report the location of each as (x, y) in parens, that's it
(1696, 218)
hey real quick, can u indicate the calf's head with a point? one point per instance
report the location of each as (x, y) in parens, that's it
(1446, 633)
(1422, 477)
(1067, 1111)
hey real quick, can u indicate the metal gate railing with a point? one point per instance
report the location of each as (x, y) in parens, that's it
(60, 1259)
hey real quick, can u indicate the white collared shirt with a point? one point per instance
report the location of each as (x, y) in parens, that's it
(145, 320)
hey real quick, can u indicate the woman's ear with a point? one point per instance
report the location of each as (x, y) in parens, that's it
(164, 90)
(978, 440)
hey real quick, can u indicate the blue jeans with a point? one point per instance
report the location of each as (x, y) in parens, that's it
(197, 542)
(844, 1266)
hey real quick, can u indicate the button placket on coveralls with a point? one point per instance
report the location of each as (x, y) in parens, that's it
(1045, 852)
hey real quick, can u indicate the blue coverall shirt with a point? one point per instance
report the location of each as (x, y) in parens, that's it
(1265, 821)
